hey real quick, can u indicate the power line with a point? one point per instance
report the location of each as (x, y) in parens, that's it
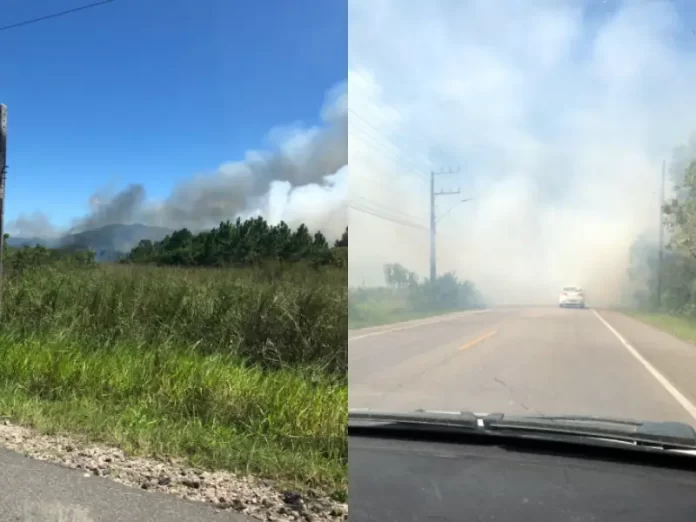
(385, 153)
(387, 218)
(381, 106)
(380, 212)
(411, 160)
(385, 211)
(387, 139)
(382, 102)
(55, 15)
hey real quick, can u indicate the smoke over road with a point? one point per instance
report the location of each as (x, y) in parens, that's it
(310, 162)
(559, 115)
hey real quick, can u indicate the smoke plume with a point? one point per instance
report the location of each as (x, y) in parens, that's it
(309, 164)
(559, 115)
(36, 224)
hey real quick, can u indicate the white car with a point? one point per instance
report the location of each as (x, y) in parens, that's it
(572, 296)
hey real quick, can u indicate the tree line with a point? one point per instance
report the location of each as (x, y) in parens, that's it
(446, 292)
(669, 285)
(405, 293)
(17, 260)
(242, 243)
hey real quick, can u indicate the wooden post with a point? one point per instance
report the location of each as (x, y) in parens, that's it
(3, 173)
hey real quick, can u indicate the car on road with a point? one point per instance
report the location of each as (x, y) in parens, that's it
(572, 296)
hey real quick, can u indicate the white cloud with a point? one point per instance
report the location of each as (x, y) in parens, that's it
(559, 114)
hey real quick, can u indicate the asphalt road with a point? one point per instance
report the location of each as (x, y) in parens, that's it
(542, 360)
(36, 491)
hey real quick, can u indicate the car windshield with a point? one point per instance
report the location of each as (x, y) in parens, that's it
(523, 195)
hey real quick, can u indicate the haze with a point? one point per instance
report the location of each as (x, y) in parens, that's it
(559, 115)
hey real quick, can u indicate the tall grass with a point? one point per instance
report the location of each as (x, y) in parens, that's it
(270, 316)
(241, 369)
(378, 306)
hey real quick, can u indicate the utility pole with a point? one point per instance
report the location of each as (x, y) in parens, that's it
(3, 172)
(433, 219)
(660, 253)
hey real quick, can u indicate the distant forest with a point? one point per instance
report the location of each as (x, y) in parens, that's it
(241, 243)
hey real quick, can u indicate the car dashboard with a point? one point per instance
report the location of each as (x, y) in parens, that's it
(403, 479)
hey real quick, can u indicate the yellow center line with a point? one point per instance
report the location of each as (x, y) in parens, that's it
(478, 340)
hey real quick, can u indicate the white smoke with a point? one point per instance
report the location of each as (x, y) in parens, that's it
(559, 114)
(302, 180)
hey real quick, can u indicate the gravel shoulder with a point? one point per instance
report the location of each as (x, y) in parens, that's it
(222, 491)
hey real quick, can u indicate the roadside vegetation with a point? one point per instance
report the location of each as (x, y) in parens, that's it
(664, 294)
(682, 327)
(405, 297)
(228, 348)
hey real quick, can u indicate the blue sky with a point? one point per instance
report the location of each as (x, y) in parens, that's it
(155, 91)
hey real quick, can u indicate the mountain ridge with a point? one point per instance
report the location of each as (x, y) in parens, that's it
(109, 242)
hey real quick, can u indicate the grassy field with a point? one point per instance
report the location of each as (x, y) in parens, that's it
(385, 313)
(239, 369)
(681, 327)
(378, 306)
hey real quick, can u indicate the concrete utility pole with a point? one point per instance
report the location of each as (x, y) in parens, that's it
(660, 253)
(433, 219)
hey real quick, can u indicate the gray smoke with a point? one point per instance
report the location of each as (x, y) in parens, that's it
(559, 115)
(36, 224)
(303, 157)
(119, 209)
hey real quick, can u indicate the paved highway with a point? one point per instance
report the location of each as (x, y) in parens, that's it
(38, 491)
(525, 361)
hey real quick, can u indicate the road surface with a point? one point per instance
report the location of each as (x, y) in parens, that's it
(543, 360)
(38, 491)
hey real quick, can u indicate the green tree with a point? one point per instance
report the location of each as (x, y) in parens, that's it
(677, 272)
(680, 214)
(249, 242)
(343, 241)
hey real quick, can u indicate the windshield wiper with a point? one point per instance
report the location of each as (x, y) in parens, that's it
(462, 419)
(669, 435)
(665, 435)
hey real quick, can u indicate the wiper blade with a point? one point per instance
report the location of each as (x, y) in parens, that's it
(418, 417)
(580, 418)
(666, 435)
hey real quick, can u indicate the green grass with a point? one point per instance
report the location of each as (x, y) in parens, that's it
(273, 317)
(378, 306)
(376, 314)
(681, 327)
(232, 369)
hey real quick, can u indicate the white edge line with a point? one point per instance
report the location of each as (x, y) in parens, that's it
(417, 324)
(673, 391)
